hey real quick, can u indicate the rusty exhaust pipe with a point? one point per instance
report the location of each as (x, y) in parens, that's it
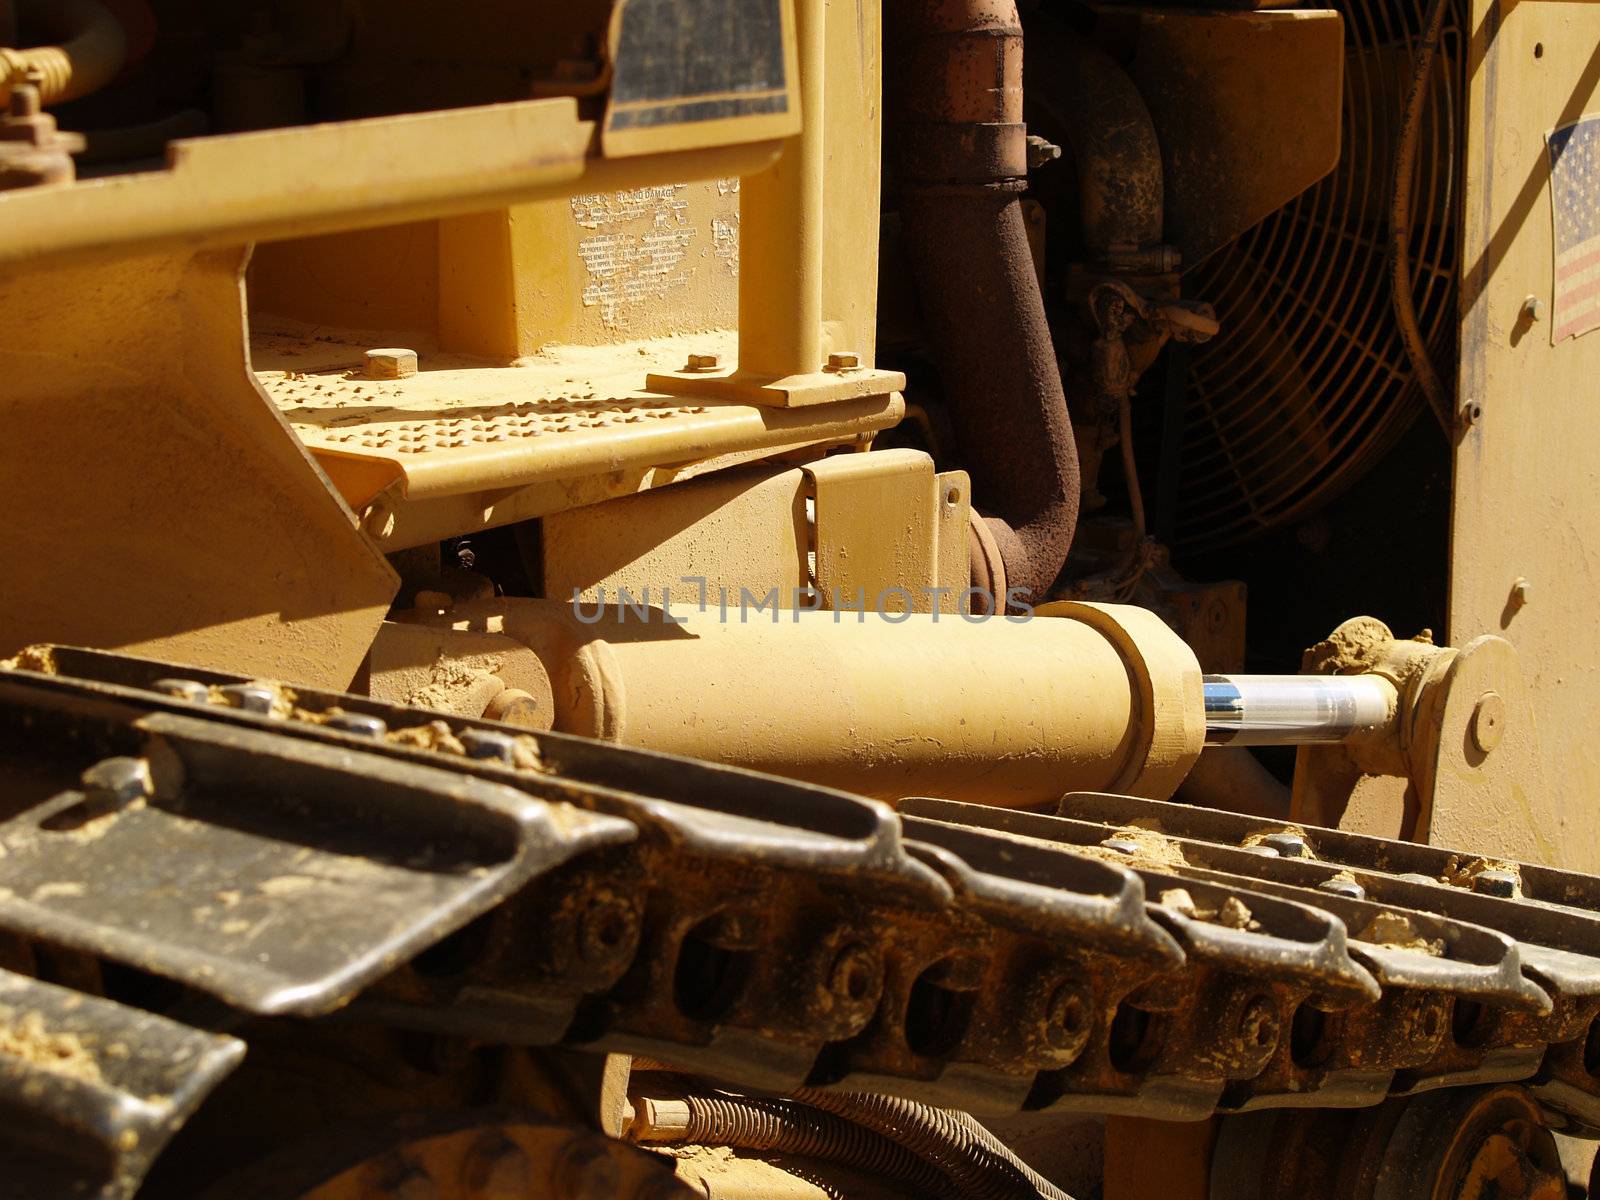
(960, 156)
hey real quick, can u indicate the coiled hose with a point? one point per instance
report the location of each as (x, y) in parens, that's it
(91, 48)
(787, 1127)
(934, 1151)
(982, 1165)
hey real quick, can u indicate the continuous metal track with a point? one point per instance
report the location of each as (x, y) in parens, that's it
(1119, 955)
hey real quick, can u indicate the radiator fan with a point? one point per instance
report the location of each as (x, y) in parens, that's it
(1309, 382)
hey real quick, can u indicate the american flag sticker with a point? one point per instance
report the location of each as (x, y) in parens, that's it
(1575, 205)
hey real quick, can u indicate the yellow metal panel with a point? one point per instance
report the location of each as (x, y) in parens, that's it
(458, 427)
(1526, 504)
(885, 521)
(371, 279)
(343, 175)
(736, 529)
(154, 499)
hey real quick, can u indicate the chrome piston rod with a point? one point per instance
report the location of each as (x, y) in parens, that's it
(1293, 710)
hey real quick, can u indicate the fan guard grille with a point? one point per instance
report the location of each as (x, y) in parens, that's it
(1308, 383)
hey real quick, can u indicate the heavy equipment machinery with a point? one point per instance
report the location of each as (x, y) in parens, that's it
(648, 598)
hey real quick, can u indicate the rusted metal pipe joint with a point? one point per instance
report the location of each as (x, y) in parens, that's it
(960, 157)
(1088, 95)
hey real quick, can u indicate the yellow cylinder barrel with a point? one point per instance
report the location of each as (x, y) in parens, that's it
(1006, 712)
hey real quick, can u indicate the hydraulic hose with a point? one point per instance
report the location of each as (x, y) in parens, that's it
(1405, 161)
(931, 1150)
(786, 1127)
(89, 50)
(982, 1165)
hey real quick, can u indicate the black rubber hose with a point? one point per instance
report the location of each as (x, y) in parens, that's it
(789, 1127)
(981, 1164)
(1433, 388)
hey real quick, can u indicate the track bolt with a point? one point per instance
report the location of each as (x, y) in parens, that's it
(191, 690)
(844, 360)
(1488, 722)
(607, 927)
(1348, 888)
(703, 362)
(1067, 1020)
(488, 744)
(855, 975)
(249, 697)
(357, 723)
(1495, 882)
(1258, 1025)
(1287, 844)
(114, 783)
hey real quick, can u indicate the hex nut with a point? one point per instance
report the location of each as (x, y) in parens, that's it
(844, 360)
(703, 362)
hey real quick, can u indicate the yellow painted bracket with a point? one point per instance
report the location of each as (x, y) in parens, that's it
(890, 533)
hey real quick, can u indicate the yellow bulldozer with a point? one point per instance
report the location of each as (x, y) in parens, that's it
(799, 598)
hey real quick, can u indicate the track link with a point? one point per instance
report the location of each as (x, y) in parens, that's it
(1117, 955)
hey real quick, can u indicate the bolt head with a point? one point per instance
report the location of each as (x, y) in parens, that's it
(1494, 882)
(1521, 591)
(856, 976)
(703, 362)
(1288, 845)
(390, 363)
(1348, 888)
(844, 360)
(488, 744)
(114, 783)
(361, 724)
(249, 697)
(1533, 307)
(183, 689)
(1488, 725)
